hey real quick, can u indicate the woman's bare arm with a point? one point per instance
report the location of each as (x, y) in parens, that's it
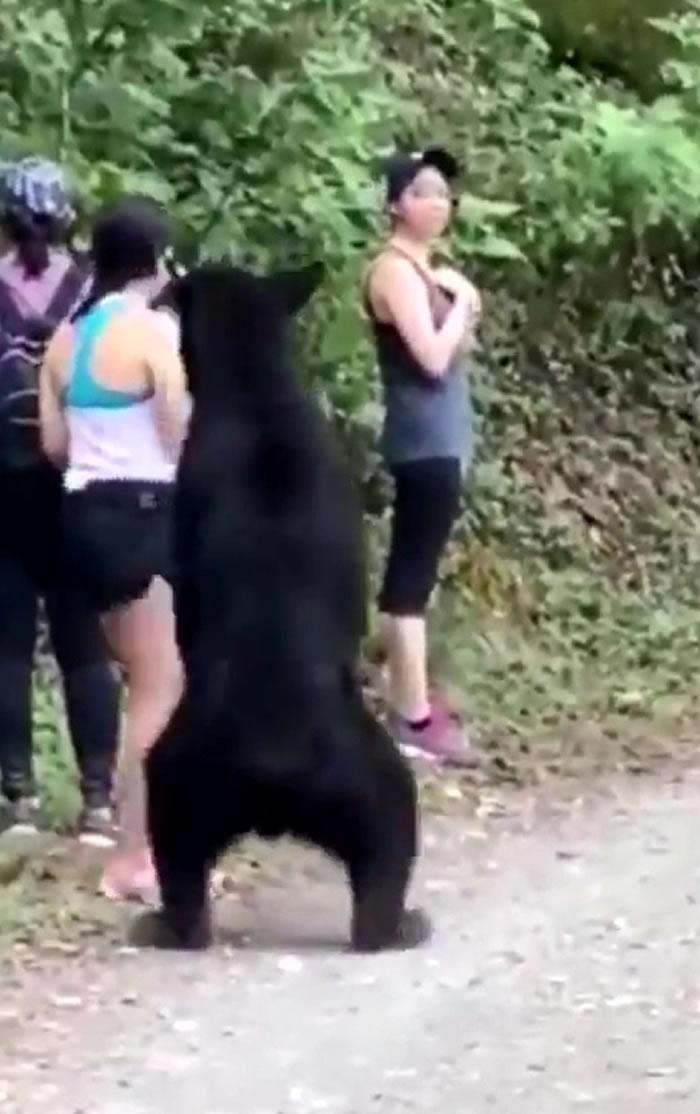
(53, 428)
(171, 400)
(396, 288)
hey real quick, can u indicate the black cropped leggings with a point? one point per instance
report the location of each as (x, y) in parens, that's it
(29, 556)
(426, 504)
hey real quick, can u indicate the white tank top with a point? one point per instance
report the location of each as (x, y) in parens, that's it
(112, 434)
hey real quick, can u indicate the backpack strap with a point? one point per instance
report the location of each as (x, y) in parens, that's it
(67, 294)
(64, 298)
(11, 316)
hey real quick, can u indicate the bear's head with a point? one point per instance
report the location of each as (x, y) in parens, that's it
(234, 324)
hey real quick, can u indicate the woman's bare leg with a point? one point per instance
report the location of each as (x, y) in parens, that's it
(420, 723)
(405, 647)
(142, 637)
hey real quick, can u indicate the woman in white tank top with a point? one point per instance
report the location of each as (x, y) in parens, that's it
(113, 414)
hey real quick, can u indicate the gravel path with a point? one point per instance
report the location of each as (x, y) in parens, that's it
(564, 976)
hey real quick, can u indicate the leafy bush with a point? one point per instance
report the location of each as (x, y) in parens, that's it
(614, 36)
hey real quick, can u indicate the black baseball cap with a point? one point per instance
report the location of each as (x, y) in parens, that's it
(402, 167)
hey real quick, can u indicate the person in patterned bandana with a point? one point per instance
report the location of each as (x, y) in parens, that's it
(40, 284)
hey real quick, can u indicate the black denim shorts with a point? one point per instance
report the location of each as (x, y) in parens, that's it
(116, 537)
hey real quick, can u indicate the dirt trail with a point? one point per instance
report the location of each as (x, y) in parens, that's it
(564, 976)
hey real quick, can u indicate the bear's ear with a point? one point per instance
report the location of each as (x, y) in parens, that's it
(293, 289)
(168, 296)
(180, 293)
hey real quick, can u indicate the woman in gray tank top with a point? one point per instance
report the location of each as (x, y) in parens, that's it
(423, 321)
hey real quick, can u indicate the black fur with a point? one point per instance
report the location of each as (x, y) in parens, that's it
(272, 735)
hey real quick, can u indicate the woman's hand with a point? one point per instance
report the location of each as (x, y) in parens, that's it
(451, 280)
(53, 428)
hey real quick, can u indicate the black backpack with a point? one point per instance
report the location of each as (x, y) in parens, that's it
(23, 341)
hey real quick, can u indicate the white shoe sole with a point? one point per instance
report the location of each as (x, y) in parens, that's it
(96, 839)
(23, 828)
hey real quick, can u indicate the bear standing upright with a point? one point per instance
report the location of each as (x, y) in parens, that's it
(272, 735)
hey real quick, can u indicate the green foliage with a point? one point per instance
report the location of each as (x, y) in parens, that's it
(55, 766)
(613, 36)
(259, 123)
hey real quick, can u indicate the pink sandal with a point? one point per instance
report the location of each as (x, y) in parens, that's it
(142, 885)
(130, 878)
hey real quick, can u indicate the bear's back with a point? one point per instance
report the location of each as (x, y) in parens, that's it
(279, 557)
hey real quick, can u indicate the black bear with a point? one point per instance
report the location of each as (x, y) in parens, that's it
(272, 735)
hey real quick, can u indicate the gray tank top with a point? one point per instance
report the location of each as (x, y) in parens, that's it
(424, 417)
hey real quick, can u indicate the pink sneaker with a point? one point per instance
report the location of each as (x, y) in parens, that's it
(443, 739)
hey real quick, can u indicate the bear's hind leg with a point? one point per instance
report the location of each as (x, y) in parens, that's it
(185, 916)
(380, 919)
(186, 841)
(368, 818)
(184, 920)
(380, 877)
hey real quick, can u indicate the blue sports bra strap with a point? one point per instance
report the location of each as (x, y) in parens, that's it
(89, 329)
